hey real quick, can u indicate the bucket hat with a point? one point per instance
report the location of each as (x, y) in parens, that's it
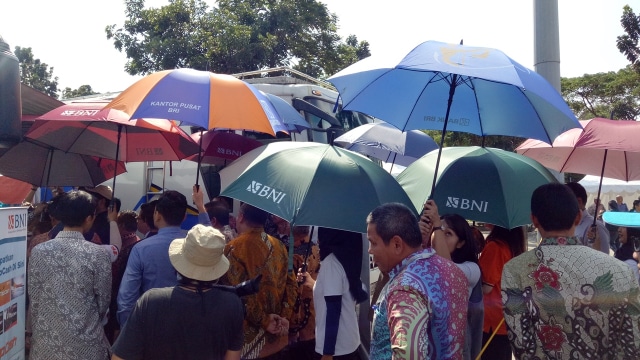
(200, 256)
(102, 190)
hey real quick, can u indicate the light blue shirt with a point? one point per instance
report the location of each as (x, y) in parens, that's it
(149, 267)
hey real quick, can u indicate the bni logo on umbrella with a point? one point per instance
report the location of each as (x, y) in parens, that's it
(266, 191)
(467, 204)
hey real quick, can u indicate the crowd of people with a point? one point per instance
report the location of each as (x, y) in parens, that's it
(105, 282)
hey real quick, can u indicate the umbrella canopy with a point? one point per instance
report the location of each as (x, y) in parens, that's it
(43, 166)
(221, 147)
(482, 184)
(608, 148)
(289, 115)
(233, 171)
(200, 98)
(320, 185)
(89, 129)
(387, 143)
(439, 86)
(480, 90)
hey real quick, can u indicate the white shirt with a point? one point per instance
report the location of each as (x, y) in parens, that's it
(472, 271)
(585, 223)
(331, 281)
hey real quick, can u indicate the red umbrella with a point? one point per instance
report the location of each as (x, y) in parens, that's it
(220, 147)
(89, 129)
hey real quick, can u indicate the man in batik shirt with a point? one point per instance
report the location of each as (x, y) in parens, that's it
(422, 313)
(563, 300)
(69, 287)
(253, 253)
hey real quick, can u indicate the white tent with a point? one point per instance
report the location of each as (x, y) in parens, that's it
(610, 189)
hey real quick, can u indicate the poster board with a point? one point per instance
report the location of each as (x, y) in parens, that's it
(13, 289)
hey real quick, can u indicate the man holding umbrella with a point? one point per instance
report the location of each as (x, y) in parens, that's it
(598, 238)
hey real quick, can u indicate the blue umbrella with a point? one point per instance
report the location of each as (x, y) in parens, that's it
(440, 86)
(289, 115)
(387, 143)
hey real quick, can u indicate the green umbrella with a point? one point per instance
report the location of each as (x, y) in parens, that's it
(482, 184)
(320, 185)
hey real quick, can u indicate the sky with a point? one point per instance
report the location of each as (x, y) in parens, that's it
(69, 34)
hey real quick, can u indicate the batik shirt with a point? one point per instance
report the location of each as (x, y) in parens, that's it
(69, 290)
(251, 253)
(423, 311)
(563, 300)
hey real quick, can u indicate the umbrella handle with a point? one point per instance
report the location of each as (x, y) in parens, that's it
(604, 162)
(199, 161)
(452, 90)
(115, 169)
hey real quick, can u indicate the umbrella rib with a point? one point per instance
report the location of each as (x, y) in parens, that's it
(437, 76)
(470, 84)
(369, 84)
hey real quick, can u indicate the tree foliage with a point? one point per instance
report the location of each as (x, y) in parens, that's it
(628, 43)
(235, 36)
(83, 90)
(600, 95)
(454, 138)
(36, 73)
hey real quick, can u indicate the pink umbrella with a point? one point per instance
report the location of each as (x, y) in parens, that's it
(607, 148)
(220, 147)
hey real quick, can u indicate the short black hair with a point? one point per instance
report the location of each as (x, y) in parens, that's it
(393, 219)
(578, 190)
(555, 206)
(146, 213)
(74, 207)
(117, 203)
(172, 205)
(253, 215)
(219, 212)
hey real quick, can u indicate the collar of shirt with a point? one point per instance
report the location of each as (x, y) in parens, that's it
(420, 254)
(561, 240)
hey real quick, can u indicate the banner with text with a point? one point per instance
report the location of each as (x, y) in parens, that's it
(13, 269)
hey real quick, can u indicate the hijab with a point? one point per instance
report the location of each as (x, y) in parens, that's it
(346, 246)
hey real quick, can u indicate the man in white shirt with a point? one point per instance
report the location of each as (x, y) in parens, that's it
(598, 240)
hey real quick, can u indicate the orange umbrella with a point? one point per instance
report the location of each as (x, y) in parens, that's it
(200, 98)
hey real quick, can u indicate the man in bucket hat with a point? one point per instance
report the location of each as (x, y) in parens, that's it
(195, 319)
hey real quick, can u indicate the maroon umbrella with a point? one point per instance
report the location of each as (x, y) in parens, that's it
(219, 147)
(43, 166)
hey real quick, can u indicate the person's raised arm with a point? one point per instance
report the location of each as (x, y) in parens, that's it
(438, 241)
(114, 233)
(198, 200)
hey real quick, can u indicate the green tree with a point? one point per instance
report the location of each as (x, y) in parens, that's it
(454, 138)
(36, 73)
(235, 36)
(600, 95)
(83, 90)
(628, 43)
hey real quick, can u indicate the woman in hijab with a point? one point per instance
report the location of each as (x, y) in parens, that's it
(336, 291)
